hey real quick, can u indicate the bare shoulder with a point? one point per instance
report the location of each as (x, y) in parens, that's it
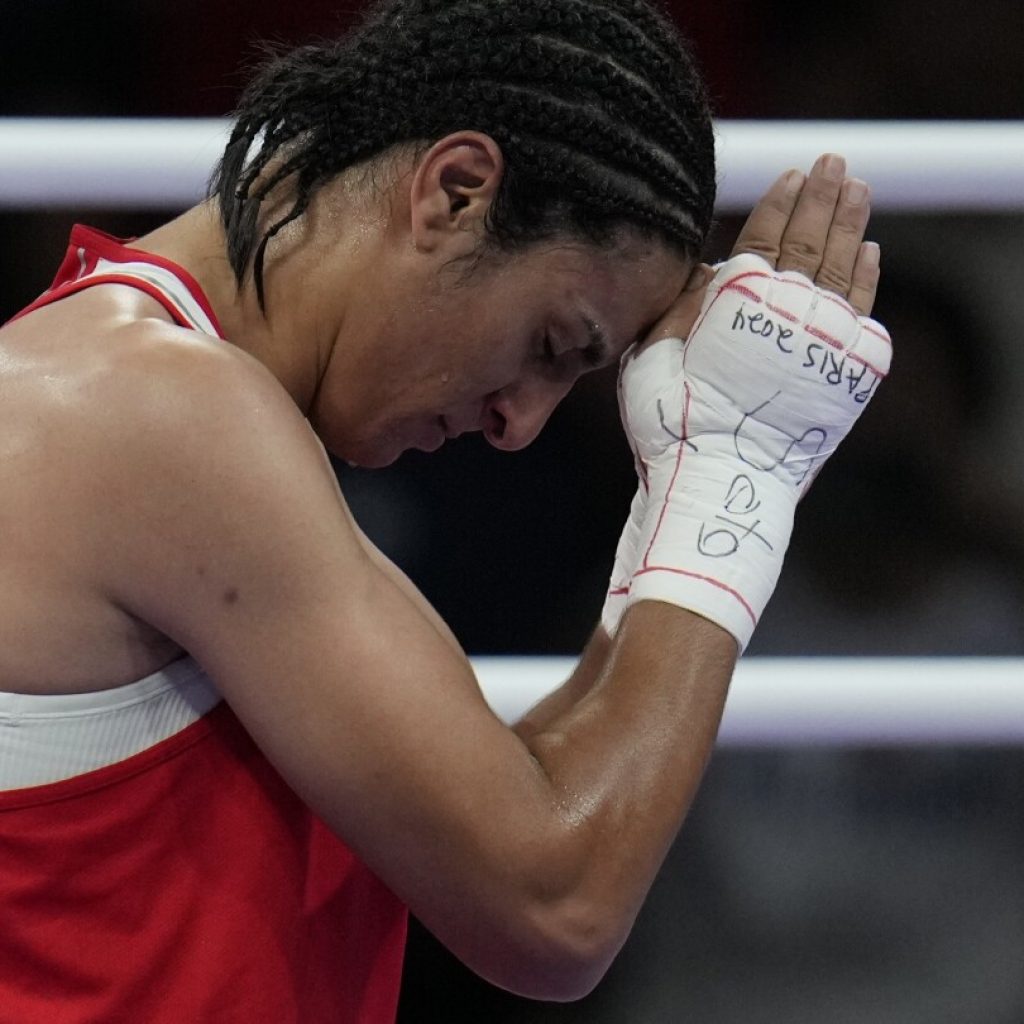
(149, 405)
(185, 491)
(96, 366)
(126, 441)
(149, 371)
(189, 462)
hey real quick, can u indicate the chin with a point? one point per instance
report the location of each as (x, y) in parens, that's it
(368, 456)
(366, 459)
(377, 460)
(379, 448)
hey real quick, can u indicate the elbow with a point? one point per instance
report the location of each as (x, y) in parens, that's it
(548, 914)
(580, 944)
(555, 952)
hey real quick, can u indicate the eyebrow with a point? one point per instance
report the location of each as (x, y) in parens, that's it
(599, 351)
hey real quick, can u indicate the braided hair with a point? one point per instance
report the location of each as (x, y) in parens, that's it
(597, 106)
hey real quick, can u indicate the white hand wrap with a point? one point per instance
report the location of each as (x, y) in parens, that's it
(732, 426)
(627, 555)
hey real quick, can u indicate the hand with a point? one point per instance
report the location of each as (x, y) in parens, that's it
(732, 425)
(813, 224)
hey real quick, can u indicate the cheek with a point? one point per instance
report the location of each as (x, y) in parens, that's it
(488, 364)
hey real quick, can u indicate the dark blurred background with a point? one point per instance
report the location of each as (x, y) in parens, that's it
(809, 885)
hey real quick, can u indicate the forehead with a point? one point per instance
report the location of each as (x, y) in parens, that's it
(628, 258)
(615, 293)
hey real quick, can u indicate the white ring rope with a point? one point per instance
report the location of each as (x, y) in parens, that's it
(825, 701)
(164, 163)
(912, 166)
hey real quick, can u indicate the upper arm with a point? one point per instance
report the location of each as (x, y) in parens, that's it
(225, 529)
(211, 512)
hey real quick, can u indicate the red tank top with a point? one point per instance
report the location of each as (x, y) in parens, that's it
(186, 883)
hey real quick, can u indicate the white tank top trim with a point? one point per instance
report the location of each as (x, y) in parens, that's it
(163, 280)
(47, 738)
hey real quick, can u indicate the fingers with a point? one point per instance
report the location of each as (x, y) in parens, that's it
(683, 313)
(806, 235)
(763, 231)
(815, 226)
(864, 281)
(845, 235)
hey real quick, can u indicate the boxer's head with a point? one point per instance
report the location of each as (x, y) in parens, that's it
(596, 106)
(588, 131)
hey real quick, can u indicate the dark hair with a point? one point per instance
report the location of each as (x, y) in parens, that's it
(597, 106)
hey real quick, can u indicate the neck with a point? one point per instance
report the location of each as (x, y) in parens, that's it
(285, 339)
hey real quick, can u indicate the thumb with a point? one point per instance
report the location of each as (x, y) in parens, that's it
(678, 321)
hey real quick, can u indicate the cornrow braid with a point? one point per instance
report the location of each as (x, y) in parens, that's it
(597, 106)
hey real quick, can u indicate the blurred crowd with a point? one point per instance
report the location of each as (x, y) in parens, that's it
(881, 886)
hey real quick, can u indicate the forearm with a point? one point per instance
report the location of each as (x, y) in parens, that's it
(619, 752)
(551, 884)
(626, 759)
(560, 701)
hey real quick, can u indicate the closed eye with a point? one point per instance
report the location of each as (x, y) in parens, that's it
(592, 357)
(599, 352)
(556, 365)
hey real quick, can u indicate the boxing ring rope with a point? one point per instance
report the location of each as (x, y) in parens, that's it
(825, 701)
(912, 166)
(164, 163)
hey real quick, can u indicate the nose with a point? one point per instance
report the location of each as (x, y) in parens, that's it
(515, 415)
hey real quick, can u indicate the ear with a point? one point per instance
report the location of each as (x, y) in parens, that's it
(451, 190)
